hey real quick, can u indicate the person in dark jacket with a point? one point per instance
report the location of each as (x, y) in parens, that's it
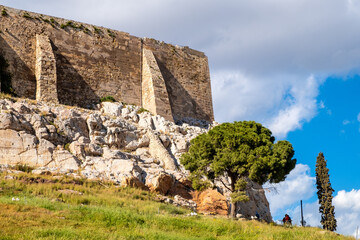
(287, 219)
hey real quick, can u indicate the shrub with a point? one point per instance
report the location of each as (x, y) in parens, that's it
(70, 24)
(97, 30)
(67, 147)
(141, 110)
(4, 12)
(111, 34)
(23, 168)
(27, 15)
(107, 99)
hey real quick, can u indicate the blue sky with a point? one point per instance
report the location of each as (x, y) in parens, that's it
(335, 131)
(293, 65)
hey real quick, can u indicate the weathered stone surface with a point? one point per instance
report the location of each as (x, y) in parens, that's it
(65, 160)
(17, 148)
(154, 94)
(45, 70)
(111, 108)
(165, 140)
(182, 145)
(73, 128)
(158, 151)
(179, 189)
(11, 121)
(258, 203)
(146, 121)
(89, 65)
(133, 182)
(45, 152)
(162, 183)
(211, 202)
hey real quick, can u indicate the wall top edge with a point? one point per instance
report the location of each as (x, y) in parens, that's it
(19, 12)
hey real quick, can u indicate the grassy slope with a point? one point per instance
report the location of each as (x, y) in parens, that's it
(109, 212)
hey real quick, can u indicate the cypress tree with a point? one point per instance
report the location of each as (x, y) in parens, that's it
(324, 193)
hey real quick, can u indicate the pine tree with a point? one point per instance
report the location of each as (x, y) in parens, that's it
(324, 193)
(238, 151)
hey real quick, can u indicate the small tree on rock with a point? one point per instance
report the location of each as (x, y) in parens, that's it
(324, 193)
(238, 151)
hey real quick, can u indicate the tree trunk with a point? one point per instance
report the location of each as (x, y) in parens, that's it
(233, 210)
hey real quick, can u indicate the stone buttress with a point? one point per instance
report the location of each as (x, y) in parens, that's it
(45, 71)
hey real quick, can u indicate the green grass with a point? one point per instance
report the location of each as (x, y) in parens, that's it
(107, 99)
(105, 211)
(141, 110)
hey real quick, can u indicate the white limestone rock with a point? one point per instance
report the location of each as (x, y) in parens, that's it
(111, 108)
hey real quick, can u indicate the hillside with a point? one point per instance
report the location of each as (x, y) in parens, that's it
(61, 207)
(114, 142)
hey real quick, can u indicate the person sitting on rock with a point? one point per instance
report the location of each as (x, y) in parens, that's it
(287, 219)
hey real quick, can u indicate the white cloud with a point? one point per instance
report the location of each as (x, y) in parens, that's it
(347, 212)
(283, 103)
(243, 97)
(358, 117)
(299, 185)
(300, 109)
(321, 105)
(346, 122)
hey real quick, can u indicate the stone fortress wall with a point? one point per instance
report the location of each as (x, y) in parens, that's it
(72, 63)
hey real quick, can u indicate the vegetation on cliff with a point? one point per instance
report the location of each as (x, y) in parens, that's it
(60, 207)
(240, 151)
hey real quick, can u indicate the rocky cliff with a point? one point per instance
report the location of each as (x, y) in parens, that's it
(117, 142)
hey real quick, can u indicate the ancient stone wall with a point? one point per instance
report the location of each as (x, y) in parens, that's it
(187, 78)
(93, 62)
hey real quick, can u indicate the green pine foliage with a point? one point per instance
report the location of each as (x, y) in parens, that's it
(324, 193)
(240, 150)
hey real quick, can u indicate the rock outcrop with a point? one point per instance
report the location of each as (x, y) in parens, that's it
(211, 202)
(116, 142)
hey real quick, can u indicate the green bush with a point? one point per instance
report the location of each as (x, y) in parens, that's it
(107, 99)
(67, 147)
(141, 110)
(23, 168)
(27, 15)
(70, 24)
(97, 30)
(4, 12)
(111, 34)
